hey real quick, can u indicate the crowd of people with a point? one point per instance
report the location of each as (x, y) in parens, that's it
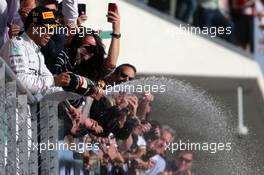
(44, 61)
(237, 14)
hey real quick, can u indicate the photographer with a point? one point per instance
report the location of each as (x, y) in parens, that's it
(135, 147)
(154, 132)
(118, 117)
(154, 157)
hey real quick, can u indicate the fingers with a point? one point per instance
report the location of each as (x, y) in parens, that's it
(133, 100)
(113, 17)
(64, 82)
(148, 97)
(114, 14)
(66, 77)
(72, 114)
(15, 27)
(99, 130)
(83, 17)
(71, 26)
(65, 74)
(63, 79)
(95, 126)
(157, 132)
(149, 126)
(75, 113)
(94, 123)
(25, 11)
(14, 30)
(146, 127)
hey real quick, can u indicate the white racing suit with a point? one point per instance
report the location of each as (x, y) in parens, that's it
(26, 60)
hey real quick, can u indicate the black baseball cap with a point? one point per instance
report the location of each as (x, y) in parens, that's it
(42, 16)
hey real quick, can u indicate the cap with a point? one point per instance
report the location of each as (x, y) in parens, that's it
(42, 16)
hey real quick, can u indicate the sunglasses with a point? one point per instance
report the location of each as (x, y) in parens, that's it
(90, 49)
(184, 159)
(124, 75)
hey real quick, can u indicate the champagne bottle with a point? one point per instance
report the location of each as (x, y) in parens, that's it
(80, 85)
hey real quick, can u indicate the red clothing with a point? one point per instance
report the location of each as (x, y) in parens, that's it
(247, 10)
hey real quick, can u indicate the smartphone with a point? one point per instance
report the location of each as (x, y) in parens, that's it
(112, 7)
(81, 9)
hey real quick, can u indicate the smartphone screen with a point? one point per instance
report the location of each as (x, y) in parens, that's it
(81, 9)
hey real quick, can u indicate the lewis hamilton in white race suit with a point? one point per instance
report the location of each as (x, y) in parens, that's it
(23, 55)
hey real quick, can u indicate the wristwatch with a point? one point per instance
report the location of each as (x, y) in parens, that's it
(116, 35)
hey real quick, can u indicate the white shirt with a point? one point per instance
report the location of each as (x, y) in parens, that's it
(141, 142)
(158, 167)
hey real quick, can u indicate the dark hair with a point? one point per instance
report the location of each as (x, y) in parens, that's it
(150, 136)
(29, 19)
(118, 69)
(92, 68)
(47, 2)
(155, 124)
(181, 150)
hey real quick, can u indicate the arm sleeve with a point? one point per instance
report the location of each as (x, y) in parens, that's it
(160, 164)
(70, 10)
(3, 27)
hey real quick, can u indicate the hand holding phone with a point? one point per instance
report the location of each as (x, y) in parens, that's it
(81, 9)
(112, 7)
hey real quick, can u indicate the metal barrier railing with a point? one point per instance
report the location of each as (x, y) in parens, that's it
(26, 121)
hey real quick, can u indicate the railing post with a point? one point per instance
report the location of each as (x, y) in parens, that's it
(22, 142)
(49, 134)
(242, 129)
(173, 4)
(21, 130)
(10, 106)
(33, 157)
(2, 116)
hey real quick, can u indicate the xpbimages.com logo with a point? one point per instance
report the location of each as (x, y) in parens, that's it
(131, 89)
(173, 147)
(61, 146)
(63, 30)
(211, 147)
(186, 30)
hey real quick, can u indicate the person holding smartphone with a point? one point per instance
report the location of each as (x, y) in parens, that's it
(114, 18)
(82, 14)
(85, 55)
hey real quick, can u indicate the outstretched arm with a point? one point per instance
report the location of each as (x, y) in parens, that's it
(113, 51)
